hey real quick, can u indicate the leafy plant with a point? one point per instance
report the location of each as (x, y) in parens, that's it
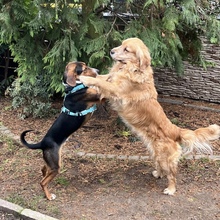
(33, 100)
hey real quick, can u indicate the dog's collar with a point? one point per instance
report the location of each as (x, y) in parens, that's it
(75, 88)
(82, 113)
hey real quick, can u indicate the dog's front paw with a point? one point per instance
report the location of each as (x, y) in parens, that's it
(86, 80)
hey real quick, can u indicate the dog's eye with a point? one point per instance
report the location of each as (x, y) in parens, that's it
(126, 49)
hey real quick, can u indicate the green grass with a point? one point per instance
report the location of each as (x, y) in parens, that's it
(17, 199)
(62, 181)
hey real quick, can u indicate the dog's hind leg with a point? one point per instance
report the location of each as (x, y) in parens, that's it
(50, 170)
(172, 159)
(166, 159)
(166, 169)
(44, 170)
(46, 180)
(171, 170)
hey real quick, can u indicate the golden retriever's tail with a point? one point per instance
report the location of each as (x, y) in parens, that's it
(199, 139)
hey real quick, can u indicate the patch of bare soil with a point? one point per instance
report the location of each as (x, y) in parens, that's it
(91, 188)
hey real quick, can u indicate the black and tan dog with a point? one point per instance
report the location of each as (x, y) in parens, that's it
(78, 106)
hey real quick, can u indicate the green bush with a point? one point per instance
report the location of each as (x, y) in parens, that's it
(31, 100)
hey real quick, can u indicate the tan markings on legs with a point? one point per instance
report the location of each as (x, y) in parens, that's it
(50, 175)
(44, 170)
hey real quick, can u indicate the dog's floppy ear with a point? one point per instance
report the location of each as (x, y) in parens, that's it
(144, 57)
(69, 76)
(71, 79)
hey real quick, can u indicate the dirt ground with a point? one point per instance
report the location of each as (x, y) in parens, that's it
(109, 189)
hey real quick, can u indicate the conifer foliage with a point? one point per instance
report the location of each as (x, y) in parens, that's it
(44, 35)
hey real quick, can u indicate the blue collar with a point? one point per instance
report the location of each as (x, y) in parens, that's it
(76, 88)
(82, 113)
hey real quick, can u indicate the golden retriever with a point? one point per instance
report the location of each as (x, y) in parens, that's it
(130, 89)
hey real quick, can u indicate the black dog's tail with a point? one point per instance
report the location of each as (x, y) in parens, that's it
(24, 142)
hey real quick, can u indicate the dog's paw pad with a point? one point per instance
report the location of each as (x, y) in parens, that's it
(169, 192)
(155, 174)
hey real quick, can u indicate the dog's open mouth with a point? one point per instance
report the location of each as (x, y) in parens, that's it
(121, 61)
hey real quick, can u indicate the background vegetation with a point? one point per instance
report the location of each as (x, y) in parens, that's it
(44, 35)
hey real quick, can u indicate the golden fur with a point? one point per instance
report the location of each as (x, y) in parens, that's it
(130, 89)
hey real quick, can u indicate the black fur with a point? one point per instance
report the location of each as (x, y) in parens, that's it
(62, 128)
